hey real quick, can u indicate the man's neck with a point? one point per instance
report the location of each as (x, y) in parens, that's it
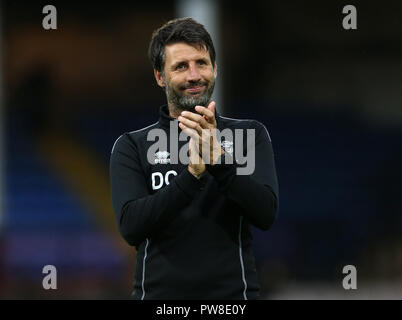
(174, 112)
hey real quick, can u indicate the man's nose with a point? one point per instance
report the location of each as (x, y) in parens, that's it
(193, 73)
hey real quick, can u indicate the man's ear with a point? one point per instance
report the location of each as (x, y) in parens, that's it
(159, 78)
(215, 70)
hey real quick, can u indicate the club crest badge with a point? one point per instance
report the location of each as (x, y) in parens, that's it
(227, 146)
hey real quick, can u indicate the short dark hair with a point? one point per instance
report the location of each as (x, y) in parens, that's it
(185, 30)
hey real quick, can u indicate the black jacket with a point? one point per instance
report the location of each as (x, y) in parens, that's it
(192, 236)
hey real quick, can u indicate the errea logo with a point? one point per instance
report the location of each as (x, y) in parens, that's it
(162, 157)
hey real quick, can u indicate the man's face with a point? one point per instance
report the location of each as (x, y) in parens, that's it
(189, 76)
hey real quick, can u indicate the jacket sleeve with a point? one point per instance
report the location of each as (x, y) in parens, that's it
(256, 193)
(138, 213)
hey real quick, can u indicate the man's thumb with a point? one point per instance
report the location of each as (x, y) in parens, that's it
(211, 106)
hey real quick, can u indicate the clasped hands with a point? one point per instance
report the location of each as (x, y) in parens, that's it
(204, 146)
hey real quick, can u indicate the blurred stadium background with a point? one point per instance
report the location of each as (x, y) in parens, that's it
(330, 98)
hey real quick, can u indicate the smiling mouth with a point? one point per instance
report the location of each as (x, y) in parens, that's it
(195, 90)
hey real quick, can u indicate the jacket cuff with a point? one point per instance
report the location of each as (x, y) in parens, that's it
(224, 172)
(189, 184)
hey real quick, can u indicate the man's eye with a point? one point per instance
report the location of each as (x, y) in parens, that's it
(202, 62)
(180, 66)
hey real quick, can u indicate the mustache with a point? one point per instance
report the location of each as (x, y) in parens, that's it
(194, 84)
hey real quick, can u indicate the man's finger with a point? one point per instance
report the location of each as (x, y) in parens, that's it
(208, 112)
(190, 124)
(211, 107)
(190, 132)
(196, 117)
(195, 150)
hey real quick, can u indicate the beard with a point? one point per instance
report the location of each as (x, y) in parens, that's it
(182, 102)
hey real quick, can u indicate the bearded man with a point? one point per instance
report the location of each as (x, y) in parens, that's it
(190, 220)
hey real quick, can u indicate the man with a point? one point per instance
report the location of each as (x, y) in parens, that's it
(190, 221)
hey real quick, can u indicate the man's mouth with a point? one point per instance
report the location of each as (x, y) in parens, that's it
(195, 90)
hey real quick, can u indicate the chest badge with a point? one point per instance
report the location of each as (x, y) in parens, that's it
(162, 157)
(227, 146)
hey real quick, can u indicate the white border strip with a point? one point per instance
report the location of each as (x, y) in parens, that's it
(2, 125)
(143, 270)
(241, 261)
